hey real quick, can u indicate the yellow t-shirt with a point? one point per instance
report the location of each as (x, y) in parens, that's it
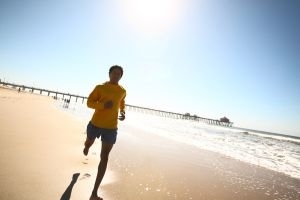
(106, 117)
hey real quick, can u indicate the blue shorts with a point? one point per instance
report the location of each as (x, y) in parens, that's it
(107, 135)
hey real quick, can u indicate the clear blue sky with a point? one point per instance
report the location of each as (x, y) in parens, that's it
(234, 58)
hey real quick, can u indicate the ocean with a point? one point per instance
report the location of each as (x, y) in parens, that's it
(280, 153)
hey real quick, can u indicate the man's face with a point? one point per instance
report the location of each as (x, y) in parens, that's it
(115, 76)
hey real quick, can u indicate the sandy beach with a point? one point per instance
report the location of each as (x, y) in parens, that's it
(42, 159)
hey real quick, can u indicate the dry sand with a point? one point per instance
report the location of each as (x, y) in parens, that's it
(41, 150)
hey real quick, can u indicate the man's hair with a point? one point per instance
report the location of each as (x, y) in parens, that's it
(116, 67)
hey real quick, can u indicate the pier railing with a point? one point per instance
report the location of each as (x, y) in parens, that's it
(52, 93)
(177, 115)
(67, 98)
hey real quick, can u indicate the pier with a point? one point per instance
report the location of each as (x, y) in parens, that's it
(173, 115)
(54, 94)
(67, 98)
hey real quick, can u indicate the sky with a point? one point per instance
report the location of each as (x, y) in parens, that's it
(212, 58)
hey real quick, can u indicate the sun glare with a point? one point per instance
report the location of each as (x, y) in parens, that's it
(151, 16)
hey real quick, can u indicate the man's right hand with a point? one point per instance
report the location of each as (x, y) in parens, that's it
(108, 104)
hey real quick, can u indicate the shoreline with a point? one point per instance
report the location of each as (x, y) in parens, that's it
(193, 172)
(42, 150)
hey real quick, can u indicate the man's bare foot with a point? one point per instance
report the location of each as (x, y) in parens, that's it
(85, 151)
(95, 198)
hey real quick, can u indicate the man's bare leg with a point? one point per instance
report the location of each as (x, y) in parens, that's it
(105, 150)
(87, 144)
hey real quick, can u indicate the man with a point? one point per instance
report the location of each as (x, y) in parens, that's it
(107, 99)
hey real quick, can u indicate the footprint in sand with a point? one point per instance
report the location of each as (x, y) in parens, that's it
(85, 162)
(86, 175)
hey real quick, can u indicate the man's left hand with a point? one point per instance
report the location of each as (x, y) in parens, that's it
(122, 116)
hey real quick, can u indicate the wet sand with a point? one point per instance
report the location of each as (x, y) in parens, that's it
(41, 151)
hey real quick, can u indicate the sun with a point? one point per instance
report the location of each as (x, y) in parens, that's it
(151, 16)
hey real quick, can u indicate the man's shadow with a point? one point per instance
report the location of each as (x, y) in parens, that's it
(67, 194)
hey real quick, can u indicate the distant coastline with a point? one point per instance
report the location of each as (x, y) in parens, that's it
(266, 132)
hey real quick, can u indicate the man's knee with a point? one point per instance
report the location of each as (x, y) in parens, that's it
(105, 152)
(89, 142)
(104, 156)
